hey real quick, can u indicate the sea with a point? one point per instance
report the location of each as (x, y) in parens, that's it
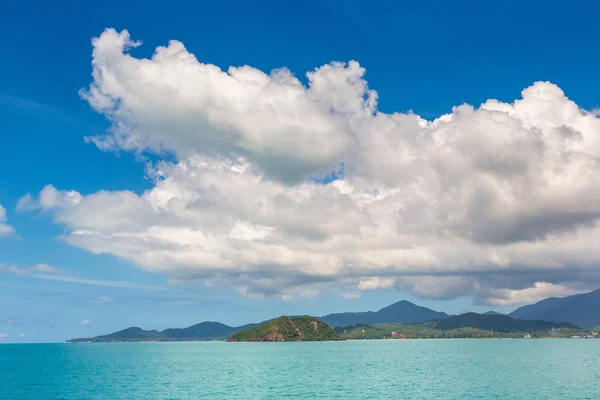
(374, 369)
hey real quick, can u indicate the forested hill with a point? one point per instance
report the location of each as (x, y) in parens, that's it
(495, 322)
(286, 329)
(469, 325)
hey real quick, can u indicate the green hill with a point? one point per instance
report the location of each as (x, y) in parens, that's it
(286, 329)
(495, 322)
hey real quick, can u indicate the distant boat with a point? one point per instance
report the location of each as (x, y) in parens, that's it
(528, 336)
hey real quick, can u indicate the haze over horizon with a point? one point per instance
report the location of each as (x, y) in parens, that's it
(160, 174)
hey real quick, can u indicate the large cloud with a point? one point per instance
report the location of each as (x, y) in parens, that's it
(499, 202)
(174, 103)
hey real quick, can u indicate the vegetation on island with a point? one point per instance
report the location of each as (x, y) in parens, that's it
(286, 329)
(404, 318)
(469, 325)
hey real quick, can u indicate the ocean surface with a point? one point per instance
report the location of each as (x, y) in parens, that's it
(400, 369)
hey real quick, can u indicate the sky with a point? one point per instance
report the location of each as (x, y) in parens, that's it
(163, 165)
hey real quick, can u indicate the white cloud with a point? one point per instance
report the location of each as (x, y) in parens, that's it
(33, 272)
(3, 335)
(5, 229)
(27, 203)
(21, 335)
(484, 200)
(350, 295)
(103, 299)
(49, 198)
(86, 322)
(281, 126)
(43, 268)
(101, 282)
(375, 283)
(46, 269)
(539, 291)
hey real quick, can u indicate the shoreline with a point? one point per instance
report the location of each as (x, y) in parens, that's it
(300, 341)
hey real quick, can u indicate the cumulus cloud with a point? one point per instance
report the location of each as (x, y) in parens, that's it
(498, 201)
(282, 127)
(48, 197)
(3, 335)
(5, 229)
(86, 322)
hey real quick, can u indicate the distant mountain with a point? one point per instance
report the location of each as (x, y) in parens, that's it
(133, 333)
(492, 313)
(498, 323)
(469, 325)
(400, 312)
(201, 331)
(286, 329)
(581, 310)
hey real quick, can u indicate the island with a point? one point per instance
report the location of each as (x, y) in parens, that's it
(401, 320)
(288, 329)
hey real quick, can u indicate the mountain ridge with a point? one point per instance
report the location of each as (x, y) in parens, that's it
(580, 309)
(402, 311)
(207, 330)
(468, 325)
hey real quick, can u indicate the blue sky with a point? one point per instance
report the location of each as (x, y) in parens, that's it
(422, 56)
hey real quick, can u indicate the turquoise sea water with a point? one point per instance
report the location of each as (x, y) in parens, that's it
(403, 369)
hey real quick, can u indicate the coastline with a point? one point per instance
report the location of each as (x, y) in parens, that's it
(309, 341)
